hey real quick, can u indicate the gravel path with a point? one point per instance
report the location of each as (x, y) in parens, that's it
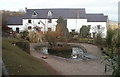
(68, 67)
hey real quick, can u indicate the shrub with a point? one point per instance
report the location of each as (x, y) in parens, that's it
(35, 37)
(110, 34)
(61, 29)
(84, 31)
(51, 38)
(113, 61)
(98, 40)
(116, 38)
(113, 51)
(24, 45)
(24, 34)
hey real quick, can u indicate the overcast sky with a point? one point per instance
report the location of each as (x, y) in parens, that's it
(108, 7)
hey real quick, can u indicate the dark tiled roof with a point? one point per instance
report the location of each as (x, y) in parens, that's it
(15, 20)
(96, 18)
(65, 13)
(56, 13)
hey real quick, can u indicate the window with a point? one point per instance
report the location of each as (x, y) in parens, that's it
(10, 29)
(89, 26)
(49, 29)
(29, 27)
(29, 21)
(17, 30)
(49, 20)
(49, 14)
(98, 26)
(73, 30)
(38, 22)
(34, 13)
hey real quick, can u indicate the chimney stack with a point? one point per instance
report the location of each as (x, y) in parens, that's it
(25, 9)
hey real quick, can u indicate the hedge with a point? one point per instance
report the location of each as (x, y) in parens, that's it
(24, 45)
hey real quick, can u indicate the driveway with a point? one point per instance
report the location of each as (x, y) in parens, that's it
(70, 67)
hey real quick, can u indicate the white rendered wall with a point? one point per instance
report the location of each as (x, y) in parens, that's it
(15, 26)
(76, 24)
(71, 24)
(80, 23)
(43, 23)
(94, 27)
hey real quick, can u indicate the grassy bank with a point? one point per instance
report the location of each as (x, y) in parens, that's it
(19, 62)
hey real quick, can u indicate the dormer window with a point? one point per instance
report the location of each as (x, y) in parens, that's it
(49, 17)
(49, 14)
(34, 13)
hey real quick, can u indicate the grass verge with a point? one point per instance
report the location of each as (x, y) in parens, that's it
(19, 62)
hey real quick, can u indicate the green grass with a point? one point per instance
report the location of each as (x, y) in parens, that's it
(86, 40)
(19, 62)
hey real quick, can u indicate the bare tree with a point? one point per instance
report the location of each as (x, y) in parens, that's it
(98, 30)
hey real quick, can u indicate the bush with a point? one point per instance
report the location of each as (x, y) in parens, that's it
(113, 51)
(110, 34)
(116, 38)
(51, 38)
(84, 31)
(24, 45)
(24, 34)
(34, 37)
(99, 40)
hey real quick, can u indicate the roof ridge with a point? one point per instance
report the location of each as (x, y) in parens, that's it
(58, 9)
(94, 13)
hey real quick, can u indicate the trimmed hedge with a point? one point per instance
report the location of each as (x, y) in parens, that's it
(86, 40)
(24, 45)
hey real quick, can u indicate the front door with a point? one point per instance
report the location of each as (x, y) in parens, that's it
(93, 34)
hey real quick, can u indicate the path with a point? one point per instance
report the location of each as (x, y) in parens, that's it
(67, 67)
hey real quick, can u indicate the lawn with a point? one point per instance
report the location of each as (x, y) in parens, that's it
(19, 62)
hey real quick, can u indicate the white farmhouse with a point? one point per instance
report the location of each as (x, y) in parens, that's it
(46, 19)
